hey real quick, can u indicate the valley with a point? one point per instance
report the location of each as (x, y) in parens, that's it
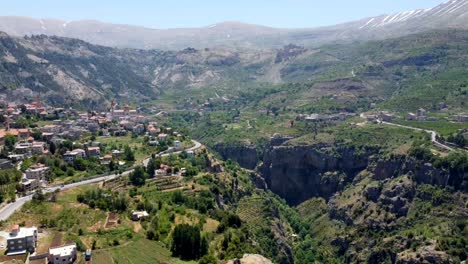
(342, 144)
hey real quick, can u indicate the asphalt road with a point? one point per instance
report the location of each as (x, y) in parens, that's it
(433, 135)
(10, 208)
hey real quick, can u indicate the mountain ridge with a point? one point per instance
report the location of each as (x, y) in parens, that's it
(451, 14)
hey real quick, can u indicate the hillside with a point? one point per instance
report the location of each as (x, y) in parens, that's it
(423, 68)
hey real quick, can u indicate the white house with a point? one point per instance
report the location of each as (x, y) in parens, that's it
(138, 215)
(62, 255)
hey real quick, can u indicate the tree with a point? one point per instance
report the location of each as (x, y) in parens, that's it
(138, 176)
(52, 148)
(151, 168)
(10, 141)
(187, 242)
(128, 154)
(79, 164)
(112, 166)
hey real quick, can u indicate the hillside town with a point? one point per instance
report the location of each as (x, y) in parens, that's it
(44, 148)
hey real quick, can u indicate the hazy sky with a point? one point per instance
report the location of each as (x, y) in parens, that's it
(196, 13)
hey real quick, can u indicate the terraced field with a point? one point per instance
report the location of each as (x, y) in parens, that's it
(251, 210)
(140, 252)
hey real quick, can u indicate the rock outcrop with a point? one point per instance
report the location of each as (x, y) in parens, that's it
(300, 172)
(251, 259)
(244, 154)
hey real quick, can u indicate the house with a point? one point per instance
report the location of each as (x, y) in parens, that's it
(22, 148)
(462, 118)
(190, 154)
(164, 170)
(93, 152)
(38, 171)
(138, 129)
(29, 185)
(62, 255)
(54, 129)
(386, 116)
(21, 240)
(162, 137)
(71, 156)
(422, 114)
(38, 148)
(21, 133)
(411, 116)
(93, 126)
(5, 164)
(153, 131)
(116, 153)
(178, 145)
(138, 215)
(106, 159)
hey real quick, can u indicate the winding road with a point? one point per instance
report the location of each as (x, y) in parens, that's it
(11, 208)
(433, 135)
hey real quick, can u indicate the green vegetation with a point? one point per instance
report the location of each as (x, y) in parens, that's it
(9, 180)
(445, 128)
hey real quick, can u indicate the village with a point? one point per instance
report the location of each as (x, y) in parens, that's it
(40, 146)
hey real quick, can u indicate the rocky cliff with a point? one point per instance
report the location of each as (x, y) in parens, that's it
(298, 173)
(244, 154)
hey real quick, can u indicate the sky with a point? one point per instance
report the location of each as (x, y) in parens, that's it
(198, 13)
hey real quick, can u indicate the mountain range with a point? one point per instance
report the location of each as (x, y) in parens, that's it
(451, 14)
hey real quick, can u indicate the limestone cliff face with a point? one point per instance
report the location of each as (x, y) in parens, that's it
(244, 154)
(300, 172)
(422, 172)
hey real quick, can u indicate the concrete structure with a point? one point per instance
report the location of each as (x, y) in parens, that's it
(21, 240)
(38, 171)
(62, 255)
(29, 185)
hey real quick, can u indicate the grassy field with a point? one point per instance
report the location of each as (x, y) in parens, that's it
(444, 128)
(141, 150)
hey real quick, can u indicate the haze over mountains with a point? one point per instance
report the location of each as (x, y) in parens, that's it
(451, 14)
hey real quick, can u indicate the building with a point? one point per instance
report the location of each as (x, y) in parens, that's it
(116, 153)
(138, 129)
(71, 156)
(54, 129)
(23, 148)
(93, 152)
(386, 116)
(38, 148)
(422, 114)
(106, 159)
(21, 240)
(178, 145)
(62, 255)
(29, 185)
(462, 118)
(5, 164)
(138, 215)
(411, 116)
(162, 137)
(38, 171)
